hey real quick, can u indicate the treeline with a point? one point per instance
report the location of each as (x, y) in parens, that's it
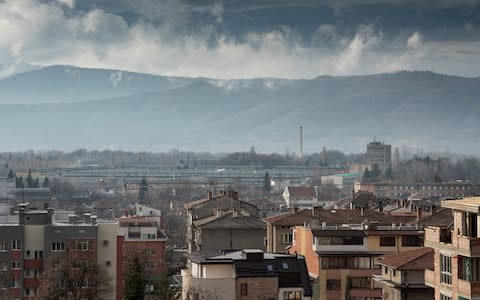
(427, 170)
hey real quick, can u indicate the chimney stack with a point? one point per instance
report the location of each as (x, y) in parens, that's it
(419, 213)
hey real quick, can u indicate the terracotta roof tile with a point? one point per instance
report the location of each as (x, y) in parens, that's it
(302, 191)
(410, 260)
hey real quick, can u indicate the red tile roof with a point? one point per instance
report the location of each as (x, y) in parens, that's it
(410, 260)
(302, 192)
(337, 216)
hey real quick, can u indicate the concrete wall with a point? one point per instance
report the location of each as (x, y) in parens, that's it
(107, 249)
(213, 240)
(218, 271)
(207, 289)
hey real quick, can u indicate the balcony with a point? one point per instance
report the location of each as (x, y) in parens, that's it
(374, 293)
(469, 246)
(33, 264)
(430, 278)
(31, 283)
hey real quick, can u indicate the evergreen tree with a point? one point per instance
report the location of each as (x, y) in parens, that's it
(375, 173)
(46, 182)
(36, 183)
(19, 183)
(366, 175)
(142, 190)
(389, 173)
(11, 175)
(135, 279)
(267, 183)
(29, 179)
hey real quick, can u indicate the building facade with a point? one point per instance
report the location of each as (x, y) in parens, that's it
(246, 274)
(456, 273)
(403, 275)
(342, 258)
(223, 222)
(404, 190)
(379, 154)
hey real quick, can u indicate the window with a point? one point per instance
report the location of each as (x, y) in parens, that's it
(16, 245)
(3, 266)
(359, 282)
(468, 268)
(149, 236)
(150, 251)
(38, 254)
(82, 246)
(243, 289)
(3, 246)
(58, 246)
(387, 241)
(286, 238)
(385, 270)
(411, 241)
(149, 265)
(334, 284)
(292, 295)
(15, 283)
(16, 264)
(334, 240)
(445, 297)
(445, 269)
(342, 262)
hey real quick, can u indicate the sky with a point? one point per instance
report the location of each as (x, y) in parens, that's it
(243, 38)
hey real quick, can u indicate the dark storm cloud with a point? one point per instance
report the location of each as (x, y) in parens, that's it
(299, 38)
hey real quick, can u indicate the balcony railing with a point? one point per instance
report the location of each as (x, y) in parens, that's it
(430, 278)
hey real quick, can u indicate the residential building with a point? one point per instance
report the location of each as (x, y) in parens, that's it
(141, 233)
(456, 273)
(36, 239)
(405, 190)
(7, 188)
(343, 181)
(305, 197)
(246, 274)
(279, 227)
(403, 275)
(342, 257)
(223, 222)
(27, 246)
(379, 154)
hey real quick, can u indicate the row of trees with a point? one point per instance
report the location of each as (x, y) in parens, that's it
(29, 182)
(425, 169)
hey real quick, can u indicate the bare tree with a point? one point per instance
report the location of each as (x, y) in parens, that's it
(73, 277)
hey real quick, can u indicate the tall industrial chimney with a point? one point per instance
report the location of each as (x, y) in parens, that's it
(301, 141)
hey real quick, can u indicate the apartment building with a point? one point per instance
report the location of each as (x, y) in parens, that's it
(28, 246)
(246, 274)
(279, 227)
(342, 181)
(342, 258)
(403, 275)
(305, 197)
(39, 240)
(456, 273)
(379, 154)
(223, 222)
(141, 231)
(404, 190)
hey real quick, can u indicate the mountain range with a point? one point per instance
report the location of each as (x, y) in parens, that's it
(67, 107)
